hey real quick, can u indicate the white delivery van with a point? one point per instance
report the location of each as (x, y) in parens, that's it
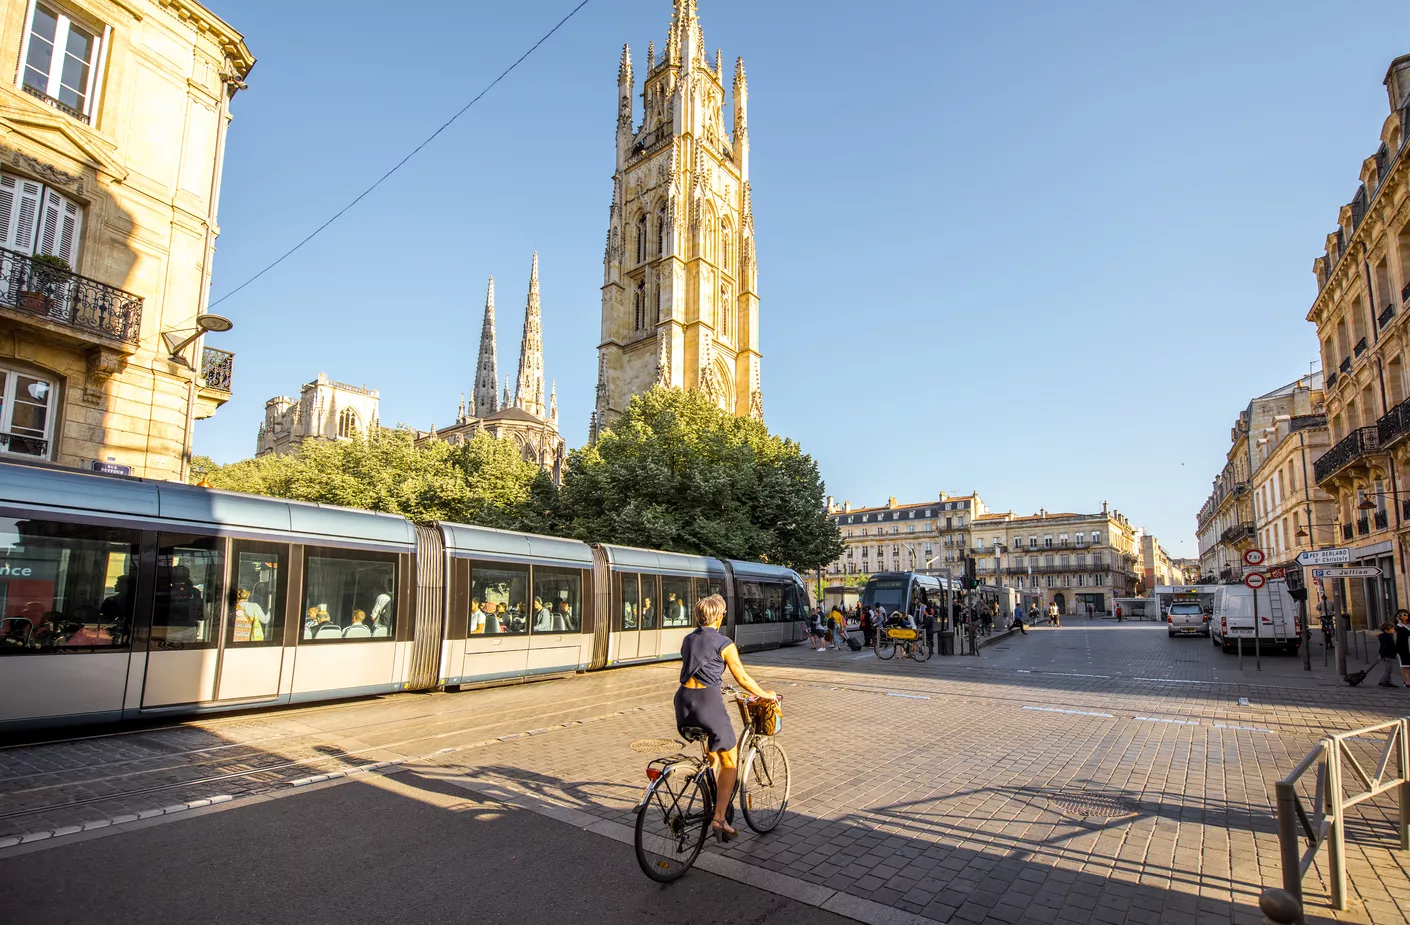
(1232, 619)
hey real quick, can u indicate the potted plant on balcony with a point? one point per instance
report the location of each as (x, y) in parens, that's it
(46, 272)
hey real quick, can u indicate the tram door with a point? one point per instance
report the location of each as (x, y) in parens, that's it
(649, 645)
(201, 645)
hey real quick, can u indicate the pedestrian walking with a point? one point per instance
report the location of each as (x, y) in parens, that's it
(927, 625)
(1033, 613)
(1388, 655)
(1402, 643)
(1090, 610)
(1054, 619)
(816, 630)
(839, 628)
(868, 627)
(1324, 616)
(986, 618)
(1018, 618)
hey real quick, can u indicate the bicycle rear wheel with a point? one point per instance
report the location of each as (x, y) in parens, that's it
(671, 826)
(765, 786)
(920, 651)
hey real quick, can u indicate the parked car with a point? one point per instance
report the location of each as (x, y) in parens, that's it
(1186, 618)
(1232, 618)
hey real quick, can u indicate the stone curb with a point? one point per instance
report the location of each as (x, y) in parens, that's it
(11, 841)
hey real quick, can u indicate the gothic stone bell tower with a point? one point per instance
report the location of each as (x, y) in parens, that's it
(679, 301)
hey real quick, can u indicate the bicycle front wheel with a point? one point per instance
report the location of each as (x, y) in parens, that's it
(885, 647)
(671, 826)
(920, 652)
(766, 786)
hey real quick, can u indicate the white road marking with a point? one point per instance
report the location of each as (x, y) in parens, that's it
(908, 696)
(1242, 728)
(1073, 712)
(1177, 722)
(1174, 681)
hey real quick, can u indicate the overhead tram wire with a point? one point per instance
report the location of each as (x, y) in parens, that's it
(399, 164)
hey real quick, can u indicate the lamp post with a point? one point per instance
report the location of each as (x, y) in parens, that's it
(176, 342)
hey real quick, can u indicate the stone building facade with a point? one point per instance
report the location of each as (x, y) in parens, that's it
(112, 134)
(1362, 302)
(1228, 524)
(324, 410)
(928, 536)
(679, 297)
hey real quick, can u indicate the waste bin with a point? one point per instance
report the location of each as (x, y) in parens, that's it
(947, 642)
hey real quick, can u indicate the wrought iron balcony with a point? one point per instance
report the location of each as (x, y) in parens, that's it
(1345, 365)
(1380, 519)
(1360, 347)
(62, 107)
(21, 445)
(1363, 526)
(1405, 509)
(1394, 425)
(1347, 532)
(217, 368)
(65, 298)
(1360, 443)
(1235, 533)
(1405, 292)
(1332, 379)
(1386, 315)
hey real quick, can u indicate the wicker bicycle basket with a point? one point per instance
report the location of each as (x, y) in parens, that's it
(764, 717)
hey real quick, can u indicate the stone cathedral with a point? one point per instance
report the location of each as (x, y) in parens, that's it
(679, 300)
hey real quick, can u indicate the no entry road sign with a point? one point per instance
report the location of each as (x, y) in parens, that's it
(1255, 580)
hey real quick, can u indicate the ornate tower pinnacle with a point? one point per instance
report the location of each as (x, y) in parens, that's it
(487, 368)
(507, 402)
(553, 405)
(529, 391)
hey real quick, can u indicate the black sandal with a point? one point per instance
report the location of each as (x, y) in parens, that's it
(723, 831)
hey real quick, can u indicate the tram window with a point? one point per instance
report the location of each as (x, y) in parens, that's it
(65, 587)
(630, 601)
(349, 596)
(795, 604)
(649, 601)
(498, 602)
(677, 610)
(557, 595)
(190, 575)
(751, 602)
(257, 596)
(773, 604)
(704, 587)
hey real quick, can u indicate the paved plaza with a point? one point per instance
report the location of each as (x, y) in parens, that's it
(1100, 772)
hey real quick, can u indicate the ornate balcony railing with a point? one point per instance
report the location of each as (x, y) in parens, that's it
(1363, 526)
(64, 108)
(1345, 365)
(69, 299)
(217, 368)
(1347, 531)
(1360, 347)
(1405, 509)
(1359, 443)
(1380, 520)
(1405, 292)
(1386, 315)
(1235, 533)
(24, 446)
(1332, 379)
(1394, 425)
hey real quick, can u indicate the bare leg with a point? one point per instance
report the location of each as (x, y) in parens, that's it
(724, 787)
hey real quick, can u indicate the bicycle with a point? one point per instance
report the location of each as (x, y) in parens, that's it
(911, 643)
(674, 815)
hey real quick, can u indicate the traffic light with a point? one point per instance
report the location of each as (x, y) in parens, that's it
(1296, 589)
(970, 580)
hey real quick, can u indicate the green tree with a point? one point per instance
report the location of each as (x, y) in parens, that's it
(677, 473)
(481, 481)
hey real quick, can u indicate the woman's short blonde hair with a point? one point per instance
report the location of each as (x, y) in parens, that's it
(709, 610)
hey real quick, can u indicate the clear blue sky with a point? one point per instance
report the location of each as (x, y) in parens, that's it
(1044, 251)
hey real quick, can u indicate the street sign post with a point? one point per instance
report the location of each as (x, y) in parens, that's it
(1325, 557)
(1254, 557)
(1367, 572)
(1255, 580)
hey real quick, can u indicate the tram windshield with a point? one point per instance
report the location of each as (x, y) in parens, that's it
(888, 592)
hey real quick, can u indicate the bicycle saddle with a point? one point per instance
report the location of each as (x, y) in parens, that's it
(693, 733)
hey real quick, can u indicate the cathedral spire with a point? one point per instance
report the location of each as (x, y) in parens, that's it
(529, 391)
(487, 368)
(553, 405)
(741, 120)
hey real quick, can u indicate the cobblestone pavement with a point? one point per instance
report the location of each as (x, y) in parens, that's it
(953, 790)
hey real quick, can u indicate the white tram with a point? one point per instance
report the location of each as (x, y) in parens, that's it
(123, 598)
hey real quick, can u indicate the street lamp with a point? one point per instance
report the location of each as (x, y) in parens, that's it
(176, 342)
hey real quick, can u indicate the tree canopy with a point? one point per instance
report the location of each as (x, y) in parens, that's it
(677, 473)
(481, 481)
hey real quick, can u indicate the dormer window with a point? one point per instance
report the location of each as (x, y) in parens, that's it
(61, 62)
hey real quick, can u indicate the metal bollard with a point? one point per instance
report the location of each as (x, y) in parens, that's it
(1279, 907)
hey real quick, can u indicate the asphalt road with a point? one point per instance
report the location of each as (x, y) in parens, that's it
(405, 848)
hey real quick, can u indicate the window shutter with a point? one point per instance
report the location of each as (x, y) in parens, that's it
(59, 227)
(19, 206)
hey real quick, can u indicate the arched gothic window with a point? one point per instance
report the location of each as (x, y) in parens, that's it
(726, 249)
(724, 311)
(641, 240)
(639, 306)
(658, 300)
(347, 422)
(661, 233)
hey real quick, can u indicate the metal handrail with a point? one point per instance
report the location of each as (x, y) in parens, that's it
(1327, 824)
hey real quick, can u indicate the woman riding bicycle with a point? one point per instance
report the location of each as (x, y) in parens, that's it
(699, 700)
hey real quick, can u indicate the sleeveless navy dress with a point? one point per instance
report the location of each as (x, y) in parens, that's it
(704, 707)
